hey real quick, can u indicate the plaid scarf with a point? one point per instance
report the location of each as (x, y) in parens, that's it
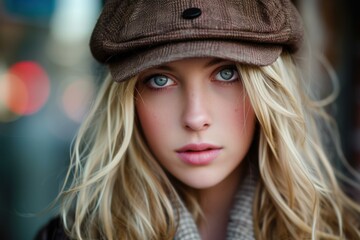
(240, 225)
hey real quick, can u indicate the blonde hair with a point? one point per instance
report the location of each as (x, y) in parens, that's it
(115, 187)
(299, 196)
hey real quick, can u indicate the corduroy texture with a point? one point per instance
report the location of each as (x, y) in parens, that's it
(132, 35)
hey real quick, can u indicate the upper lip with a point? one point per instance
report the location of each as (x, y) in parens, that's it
(197, 147)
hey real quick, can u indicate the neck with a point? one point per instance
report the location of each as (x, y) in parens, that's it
(216, 203)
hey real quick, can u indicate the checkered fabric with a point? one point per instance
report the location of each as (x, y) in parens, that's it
(240, 226)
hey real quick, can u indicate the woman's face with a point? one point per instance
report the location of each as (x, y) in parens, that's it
(196, 118)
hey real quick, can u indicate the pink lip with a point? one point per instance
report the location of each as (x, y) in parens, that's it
(198, 154)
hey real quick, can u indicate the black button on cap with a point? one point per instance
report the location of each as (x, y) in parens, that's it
(191, 13)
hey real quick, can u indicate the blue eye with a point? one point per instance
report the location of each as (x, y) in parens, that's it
(227, 74)
(159, 81)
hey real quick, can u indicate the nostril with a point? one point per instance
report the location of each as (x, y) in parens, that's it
(195, 126)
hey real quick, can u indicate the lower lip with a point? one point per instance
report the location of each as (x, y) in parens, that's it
(199, 157)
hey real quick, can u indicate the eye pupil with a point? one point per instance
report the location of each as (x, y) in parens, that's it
(160, 80)
(227, 73)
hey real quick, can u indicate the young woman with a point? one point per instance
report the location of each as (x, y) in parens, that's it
(203, 130)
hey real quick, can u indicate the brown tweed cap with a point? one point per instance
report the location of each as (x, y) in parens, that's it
(133, 35)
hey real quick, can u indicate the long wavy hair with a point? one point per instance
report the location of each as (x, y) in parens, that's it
(115, 188)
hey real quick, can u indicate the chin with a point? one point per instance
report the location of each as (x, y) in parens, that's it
(202, 182)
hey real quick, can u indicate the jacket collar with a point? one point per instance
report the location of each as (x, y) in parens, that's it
(240, 225)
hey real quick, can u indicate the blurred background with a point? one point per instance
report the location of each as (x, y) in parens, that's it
(48, 79)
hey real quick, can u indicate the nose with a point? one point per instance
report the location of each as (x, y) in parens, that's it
(196, 115)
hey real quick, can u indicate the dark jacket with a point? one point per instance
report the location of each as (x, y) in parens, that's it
(53, 230)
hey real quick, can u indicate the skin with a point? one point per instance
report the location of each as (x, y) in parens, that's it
(191, 102)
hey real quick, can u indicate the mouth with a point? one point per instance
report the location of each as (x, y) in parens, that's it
(198, 154)
(198, 147)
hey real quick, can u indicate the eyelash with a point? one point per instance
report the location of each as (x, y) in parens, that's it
(147, 80)
(226, 82)
(147, 83)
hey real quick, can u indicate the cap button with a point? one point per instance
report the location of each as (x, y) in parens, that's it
(191, 13)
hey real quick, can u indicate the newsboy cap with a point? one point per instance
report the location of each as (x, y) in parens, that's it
(133, 35)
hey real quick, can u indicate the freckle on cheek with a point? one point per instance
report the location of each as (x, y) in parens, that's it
(154, 117)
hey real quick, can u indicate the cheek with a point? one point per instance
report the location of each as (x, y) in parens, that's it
(149, 121)
(239, 120)
(234, 108)
(245, 113)
(154, 116)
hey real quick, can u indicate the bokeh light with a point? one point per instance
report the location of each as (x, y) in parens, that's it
(76, 98)
(25, 88)
(73, 20)
(14, 94)
(7, 83)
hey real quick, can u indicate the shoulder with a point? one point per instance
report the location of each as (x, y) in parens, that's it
(53, 230)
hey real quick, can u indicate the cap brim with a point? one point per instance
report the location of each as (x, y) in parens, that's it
(242, 52)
